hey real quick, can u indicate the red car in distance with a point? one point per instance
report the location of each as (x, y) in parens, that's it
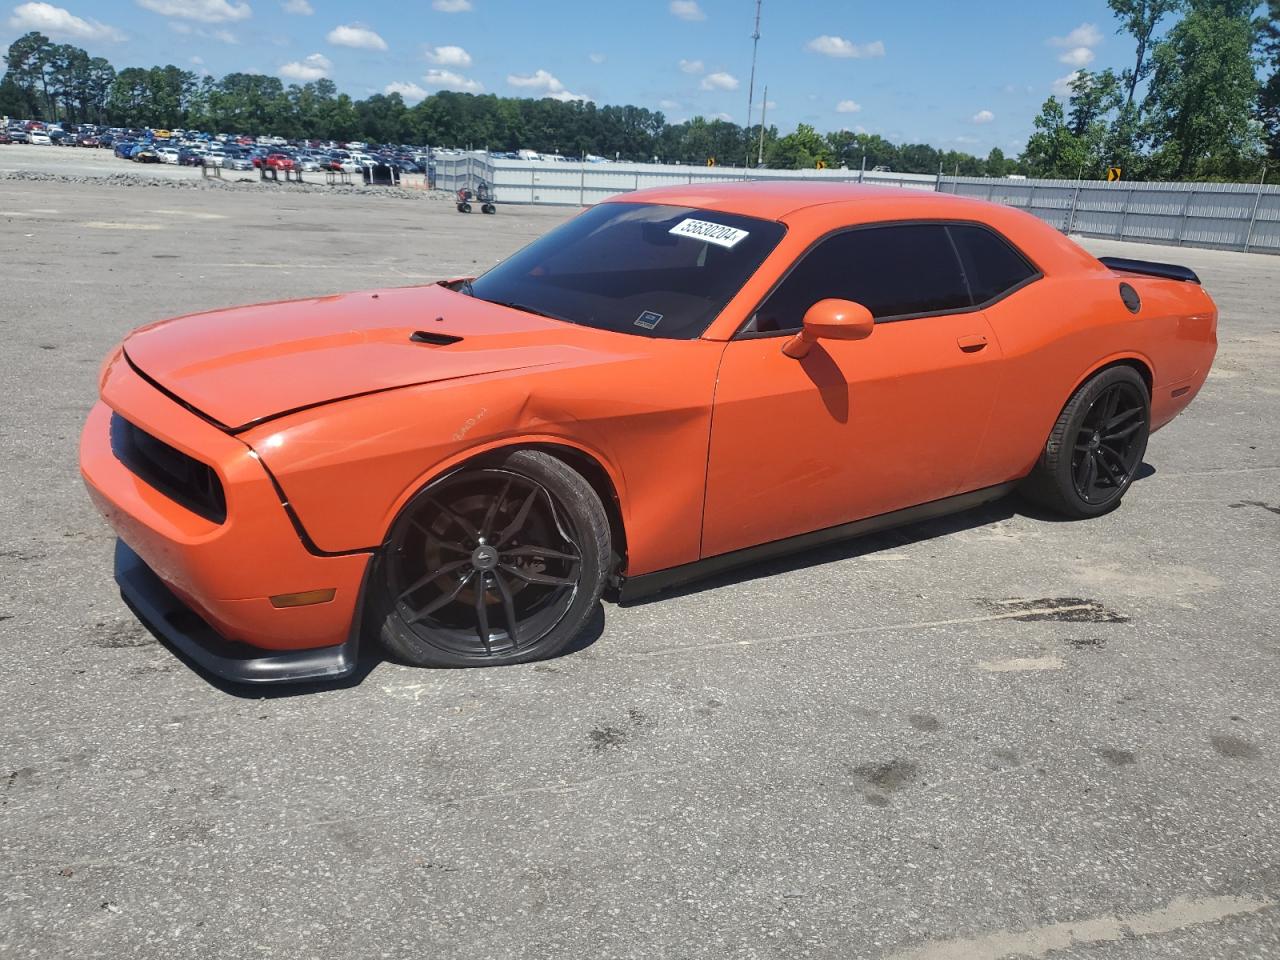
(274, 161)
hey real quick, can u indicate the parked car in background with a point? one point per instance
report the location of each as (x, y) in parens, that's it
(146, 154)
(4, 137)
(278, 161)
(19, 135)
(167, 154)
(40, 138)
(87, 140)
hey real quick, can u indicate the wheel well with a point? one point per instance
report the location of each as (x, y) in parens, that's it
(596, 475)
(1143, 370)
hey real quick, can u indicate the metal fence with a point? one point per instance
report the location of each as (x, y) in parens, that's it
(583, 184)
(1230, 216)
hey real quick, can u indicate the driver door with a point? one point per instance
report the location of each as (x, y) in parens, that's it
(856, 428)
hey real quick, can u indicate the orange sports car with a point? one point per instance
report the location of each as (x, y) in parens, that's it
(672, 382)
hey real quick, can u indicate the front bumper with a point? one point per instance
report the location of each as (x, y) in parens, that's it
(223, 574)
(182, 628)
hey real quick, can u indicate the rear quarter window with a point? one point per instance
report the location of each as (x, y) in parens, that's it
(991, 264)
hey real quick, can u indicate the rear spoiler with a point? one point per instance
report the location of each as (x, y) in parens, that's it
(1169, 271)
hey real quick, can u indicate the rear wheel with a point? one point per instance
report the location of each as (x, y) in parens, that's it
(1096, 446)
(495, 563)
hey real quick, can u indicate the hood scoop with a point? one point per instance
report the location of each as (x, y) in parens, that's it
(434, 339)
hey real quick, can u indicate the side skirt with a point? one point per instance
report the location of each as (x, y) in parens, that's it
(646, 585)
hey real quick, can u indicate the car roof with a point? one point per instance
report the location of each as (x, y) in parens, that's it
(774, 200)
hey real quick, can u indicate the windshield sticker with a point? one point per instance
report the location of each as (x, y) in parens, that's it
(648, 319)
(716, 233)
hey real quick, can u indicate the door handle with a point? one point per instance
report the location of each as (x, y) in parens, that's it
(972, 343)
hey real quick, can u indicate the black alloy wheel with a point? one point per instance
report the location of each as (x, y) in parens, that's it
(1095, 447)
(497, 563)
(1109, 443)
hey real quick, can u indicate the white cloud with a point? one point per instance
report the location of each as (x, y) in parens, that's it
(449, 56)
(1076, 57)
(719, 81)
(205, 11)
(692, 66)
(539, 80)
(547, 83)
(1085, 35)
(669, 104)
(451, 6)
(308, 69)
(356, 35)
(841, 48)
(687, 10)
(1062, 86)
(187, 30)
(409, 92)
(300, 7)
(726, 117)
(198, 61)
(983, 116)
(60, 22)
(596, 57)
(848, 106)
(448, 80)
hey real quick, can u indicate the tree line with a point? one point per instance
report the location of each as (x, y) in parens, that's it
(1201, 101)
(51, 81)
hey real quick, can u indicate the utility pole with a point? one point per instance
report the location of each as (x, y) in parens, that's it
(751, 85)
(764, 106)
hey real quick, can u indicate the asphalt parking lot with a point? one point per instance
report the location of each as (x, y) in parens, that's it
(903, 747)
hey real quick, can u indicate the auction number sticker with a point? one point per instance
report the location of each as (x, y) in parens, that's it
(716, 233)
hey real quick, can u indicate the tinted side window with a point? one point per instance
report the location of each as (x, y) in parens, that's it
(990, 263)
(892, 271)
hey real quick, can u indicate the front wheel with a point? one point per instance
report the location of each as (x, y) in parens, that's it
(1096, 446)
(496, 563)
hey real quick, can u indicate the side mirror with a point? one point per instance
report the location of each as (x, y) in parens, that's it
(830, 320)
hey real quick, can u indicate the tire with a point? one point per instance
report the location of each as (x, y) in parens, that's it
(535, 534)
(1095, 447)
(488, 208)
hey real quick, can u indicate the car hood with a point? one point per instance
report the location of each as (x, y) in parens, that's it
(242, 366)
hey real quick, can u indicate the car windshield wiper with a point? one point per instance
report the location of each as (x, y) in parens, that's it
(525, 308)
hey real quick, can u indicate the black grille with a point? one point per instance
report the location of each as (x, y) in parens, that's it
(182, 479)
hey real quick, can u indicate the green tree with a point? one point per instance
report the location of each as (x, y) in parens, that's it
(997, 165)
(26, 60)
(800, 150)
(1268, 28)
(1203, 88)
(1139, 19)
(1053, 150)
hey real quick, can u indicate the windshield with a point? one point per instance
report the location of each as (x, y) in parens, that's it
(644, 269)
